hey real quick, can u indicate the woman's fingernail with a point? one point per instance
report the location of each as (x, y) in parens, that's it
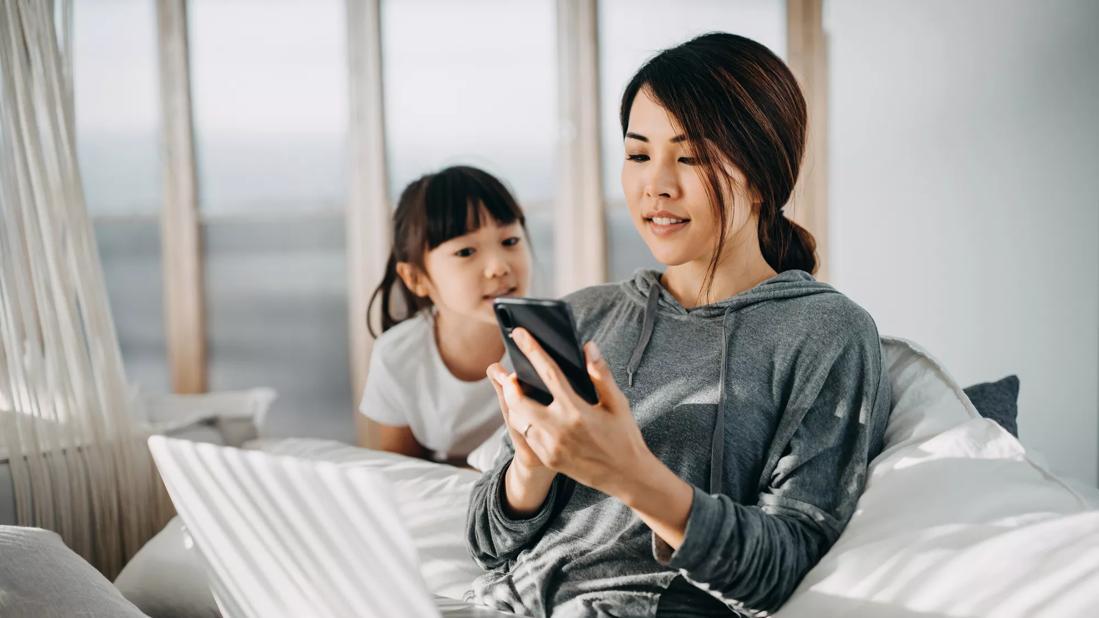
(593, 351)
(520, 336)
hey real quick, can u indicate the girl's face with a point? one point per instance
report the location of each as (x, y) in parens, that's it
(465, 273)
(666, 191)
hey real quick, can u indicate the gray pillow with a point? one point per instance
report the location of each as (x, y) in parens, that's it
(41, 577)
(998, 401)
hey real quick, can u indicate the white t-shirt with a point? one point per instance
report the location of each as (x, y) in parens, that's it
(410, 386)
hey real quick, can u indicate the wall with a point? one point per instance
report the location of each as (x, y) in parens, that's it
(964, 175)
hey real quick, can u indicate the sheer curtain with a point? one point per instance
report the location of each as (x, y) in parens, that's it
(70, 430)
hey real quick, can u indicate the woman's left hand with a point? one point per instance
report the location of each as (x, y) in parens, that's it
(597, 445)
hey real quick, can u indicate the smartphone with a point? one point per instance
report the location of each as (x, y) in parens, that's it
(550, 323)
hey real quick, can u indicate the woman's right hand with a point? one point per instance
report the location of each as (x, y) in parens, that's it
(523, 455)
(528, 480)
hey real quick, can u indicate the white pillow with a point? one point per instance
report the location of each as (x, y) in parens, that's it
(41, 577)
(956, 519)
(483, 457)
(163, 578)
(433, 498)
(166, 577)
(235, 414)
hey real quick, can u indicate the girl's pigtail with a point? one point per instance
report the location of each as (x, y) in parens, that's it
(385, 291)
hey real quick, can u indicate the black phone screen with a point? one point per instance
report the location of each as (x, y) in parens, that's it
(550, 322)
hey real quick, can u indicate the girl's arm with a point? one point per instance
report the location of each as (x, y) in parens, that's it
(393, 439)
(385, 406)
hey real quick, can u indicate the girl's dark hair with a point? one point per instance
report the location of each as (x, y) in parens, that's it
(432, 210)
(737, 102)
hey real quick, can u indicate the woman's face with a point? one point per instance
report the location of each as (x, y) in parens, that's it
(465, 273)
(665, 189)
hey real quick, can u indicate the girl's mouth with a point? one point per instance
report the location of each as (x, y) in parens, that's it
(501, 292)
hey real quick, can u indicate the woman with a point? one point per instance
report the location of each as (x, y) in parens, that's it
(740, 399)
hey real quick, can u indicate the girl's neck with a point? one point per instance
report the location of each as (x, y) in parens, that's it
(741, 267)
(467, 346)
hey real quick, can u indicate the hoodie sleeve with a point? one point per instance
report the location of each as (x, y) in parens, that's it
(493, 537)
(754, 556)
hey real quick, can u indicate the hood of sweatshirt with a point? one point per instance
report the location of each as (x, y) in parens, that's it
(646, 289)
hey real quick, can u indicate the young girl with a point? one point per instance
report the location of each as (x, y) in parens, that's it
(740, 399)
(459, 241)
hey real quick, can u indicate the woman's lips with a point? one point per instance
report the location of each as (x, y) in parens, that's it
(664, 228)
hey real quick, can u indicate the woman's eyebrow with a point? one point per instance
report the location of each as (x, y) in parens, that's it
(642, 138)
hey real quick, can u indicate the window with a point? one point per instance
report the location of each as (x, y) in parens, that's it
(117, 109)
(269, 96)
(483, 94)
(269, 89)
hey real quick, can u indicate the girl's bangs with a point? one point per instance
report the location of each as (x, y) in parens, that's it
(457, 200)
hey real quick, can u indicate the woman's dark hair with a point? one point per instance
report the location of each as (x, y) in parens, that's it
(431, 210)
(737, 102)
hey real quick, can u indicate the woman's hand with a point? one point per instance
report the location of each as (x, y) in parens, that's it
(527, 481)
(600, 446)
(524, 456)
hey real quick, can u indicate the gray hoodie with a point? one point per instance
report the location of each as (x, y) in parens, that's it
(770, 403)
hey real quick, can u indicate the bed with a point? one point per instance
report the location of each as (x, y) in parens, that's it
(957, 519)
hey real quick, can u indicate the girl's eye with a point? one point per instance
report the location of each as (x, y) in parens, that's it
(468, 251)
(688, 160)
(640, 158)
(511, 242)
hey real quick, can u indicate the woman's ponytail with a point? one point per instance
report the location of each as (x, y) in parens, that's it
(785, 244)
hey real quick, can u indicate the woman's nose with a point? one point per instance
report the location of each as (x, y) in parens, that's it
(661, 182)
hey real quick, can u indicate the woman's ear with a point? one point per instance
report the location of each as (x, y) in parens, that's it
(413, 277)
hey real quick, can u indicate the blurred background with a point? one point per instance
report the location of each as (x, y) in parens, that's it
(960, 169)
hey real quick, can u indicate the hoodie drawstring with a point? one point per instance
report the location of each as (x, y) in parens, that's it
(717, 444)
(646, 332)
(717, 447)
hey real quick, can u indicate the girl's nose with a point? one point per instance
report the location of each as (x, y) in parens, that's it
(497, 266)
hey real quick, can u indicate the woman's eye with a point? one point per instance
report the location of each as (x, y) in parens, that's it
(468, 251)
(511, 242)
(688, 160)
(637, 157)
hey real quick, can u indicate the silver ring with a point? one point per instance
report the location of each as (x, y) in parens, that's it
(529, 425)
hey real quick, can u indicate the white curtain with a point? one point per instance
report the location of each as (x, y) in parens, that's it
(70, 429)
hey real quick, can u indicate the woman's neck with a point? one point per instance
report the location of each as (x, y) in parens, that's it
(467, 346)
(741, 267)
